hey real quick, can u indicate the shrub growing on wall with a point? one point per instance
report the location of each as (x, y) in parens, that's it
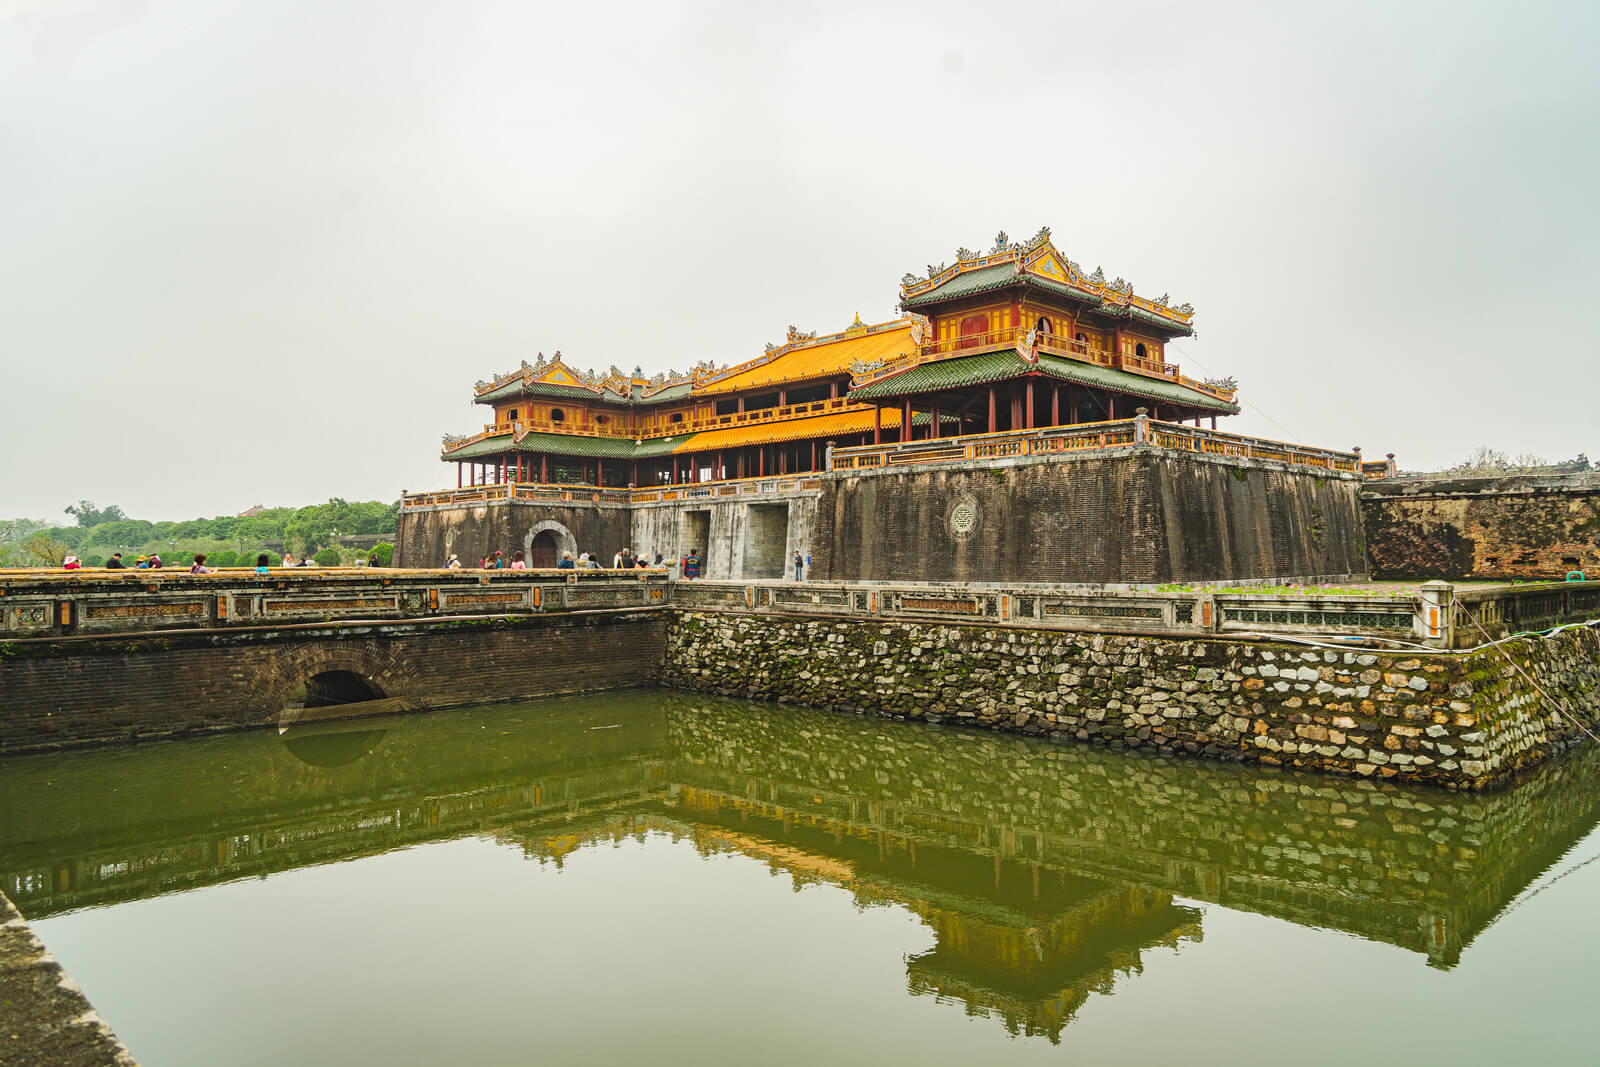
(328, 557)
(382, 555)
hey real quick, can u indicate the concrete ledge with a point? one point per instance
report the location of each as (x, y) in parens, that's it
(44, 1016)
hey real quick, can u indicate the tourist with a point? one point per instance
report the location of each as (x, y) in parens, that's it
(517, 563)
(660, 559)
(261, 564)
(594, 560)
(566, 563)
(115, 562)
(624, 559)
(142, 563)
(497, 562)
(691, 564)
(453, 563)
(199, 564)
(288, 560)
(72, 563)
(799, 566)
(583, 560)
(155, 561)
(640, 561)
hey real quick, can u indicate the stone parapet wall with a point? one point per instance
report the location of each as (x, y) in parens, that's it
(85, 691)
(1465, 722)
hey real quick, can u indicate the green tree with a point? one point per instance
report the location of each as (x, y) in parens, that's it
(43, 551)
(328, 557)
(89, 515)
(382, 555)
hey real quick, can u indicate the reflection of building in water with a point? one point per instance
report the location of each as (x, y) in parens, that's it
(1013, 940)
(1043, 873)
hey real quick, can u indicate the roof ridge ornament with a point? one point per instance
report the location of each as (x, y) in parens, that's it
(1001, 243)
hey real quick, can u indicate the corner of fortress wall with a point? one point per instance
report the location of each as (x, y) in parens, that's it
(1460, 722)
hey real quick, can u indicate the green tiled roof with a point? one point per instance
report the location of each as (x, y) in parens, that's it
(571, 444)
(972, 282)
(518, 387)
(1138, 314)
(965, 371)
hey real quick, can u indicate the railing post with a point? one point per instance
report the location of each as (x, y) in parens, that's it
(1435, 619)
(1141, 426)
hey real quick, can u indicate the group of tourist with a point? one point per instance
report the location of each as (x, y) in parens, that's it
(115, 563)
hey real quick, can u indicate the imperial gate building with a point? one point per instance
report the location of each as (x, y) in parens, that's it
(1017, 403)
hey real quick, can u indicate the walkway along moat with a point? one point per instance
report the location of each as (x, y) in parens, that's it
(1388, 686)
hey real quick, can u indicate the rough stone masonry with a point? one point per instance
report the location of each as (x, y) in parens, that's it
(1465, 722)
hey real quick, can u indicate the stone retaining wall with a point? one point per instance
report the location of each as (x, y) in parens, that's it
(44, 1018)
(1465, 722)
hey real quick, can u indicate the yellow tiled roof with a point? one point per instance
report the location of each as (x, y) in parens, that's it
(835, 425)
(816, 361)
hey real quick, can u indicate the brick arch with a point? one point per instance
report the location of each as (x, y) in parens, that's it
(294, 665)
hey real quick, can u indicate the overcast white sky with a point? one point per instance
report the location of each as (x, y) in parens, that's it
(259, 252)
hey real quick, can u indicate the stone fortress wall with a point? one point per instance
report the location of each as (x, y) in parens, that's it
(1141, 515)
(1136, 514)
(1507, 527)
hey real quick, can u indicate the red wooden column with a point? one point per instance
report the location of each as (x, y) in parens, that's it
(814, 450)
(1029, 401)
(458, 476)
(599, 474)
(761, 459)
(935, 424)
(722, 468)
(1055, 405)
(905, 420)
(993, 420)
(877, 423)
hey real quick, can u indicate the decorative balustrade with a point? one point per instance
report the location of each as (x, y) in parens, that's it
(591, 494)
(1088, 437)
(36, 603)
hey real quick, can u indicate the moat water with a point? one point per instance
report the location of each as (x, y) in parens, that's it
(670, 879)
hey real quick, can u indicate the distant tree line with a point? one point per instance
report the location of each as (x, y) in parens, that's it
(228, 540)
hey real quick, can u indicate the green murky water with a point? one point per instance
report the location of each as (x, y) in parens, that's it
(659, 878)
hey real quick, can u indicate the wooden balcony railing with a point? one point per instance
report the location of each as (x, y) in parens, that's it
(1051, 343)
(808, 409)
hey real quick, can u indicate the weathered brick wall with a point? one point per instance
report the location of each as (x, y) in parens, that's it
(426, 537)
(1146, 515)
(1462, 722)
(1482, 528)
(75, 692)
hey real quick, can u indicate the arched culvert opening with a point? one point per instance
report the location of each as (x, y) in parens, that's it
(330, 688)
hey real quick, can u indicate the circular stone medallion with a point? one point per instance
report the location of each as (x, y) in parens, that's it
(962, 519)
